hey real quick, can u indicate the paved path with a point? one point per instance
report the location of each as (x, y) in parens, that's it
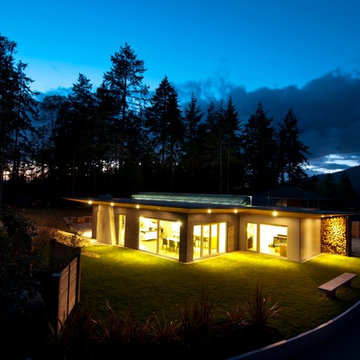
(339, 339)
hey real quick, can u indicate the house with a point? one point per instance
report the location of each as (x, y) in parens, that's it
(187, 227)
(291, 196)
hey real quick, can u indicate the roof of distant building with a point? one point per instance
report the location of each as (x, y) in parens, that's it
(291, 192)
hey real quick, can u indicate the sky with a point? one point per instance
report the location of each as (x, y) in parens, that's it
(300, 54)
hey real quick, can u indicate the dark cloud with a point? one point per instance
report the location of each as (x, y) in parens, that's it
(328, 109)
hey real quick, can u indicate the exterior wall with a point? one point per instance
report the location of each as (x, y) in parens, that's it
(94, 221)
(293, 232)
(132, 226)
(105, 228)
(310, 231)
(232, 229)
(304, 235)
(335, 235)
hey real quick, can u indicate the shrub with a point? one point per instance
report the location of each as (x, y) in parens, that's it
(162, 330)
(259, 310)
(77, 336)
(123, 332)
(236, 318)
(195, 320)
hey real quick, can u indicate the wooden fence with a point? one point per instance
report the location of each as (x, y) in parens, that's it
(65, 283)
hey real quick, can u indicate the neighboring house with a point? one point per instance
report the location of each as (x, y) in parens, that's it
(187, 227)
(291, 196)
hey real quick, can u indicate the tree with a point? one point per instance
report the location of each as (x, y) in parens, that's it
(74, 143)
(25, 113)
(125, 81)
(127, 94)
(164, 123)
(192, 142)
(222, 142)
(260, 151)
(17, 109)
(232, 141)
(292, 151)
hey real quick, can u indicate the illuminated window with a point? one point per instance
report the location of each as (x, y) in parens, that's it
(121, 230)
(160, 236)
(209, 239)
(267, 239)
(251, 231)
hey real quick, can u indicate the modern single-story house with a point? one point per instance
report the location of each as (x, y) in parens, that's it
(188, 227)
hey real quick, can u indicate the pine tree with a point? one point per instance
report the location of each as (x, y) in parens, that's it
(232, 141)
(128, 95)
(17, 106)
(260, 151)
(192, 142)
(222, 142)
(292, 152)
(125, 81)
(164, 123)
(75, 132)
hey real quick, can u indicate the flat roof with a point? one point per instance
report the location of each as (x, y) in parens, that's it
(178, 203)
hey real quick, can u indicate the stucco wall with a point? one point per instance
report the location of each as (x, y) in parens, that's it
(105, 229)
(94, 221)
(310, 231)
(293, 246)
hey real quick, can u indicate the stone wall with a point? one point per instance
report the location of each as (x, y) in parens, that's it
(334, 235)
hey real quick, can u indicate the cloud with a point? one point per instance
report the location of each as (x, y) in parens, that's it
(327, 108)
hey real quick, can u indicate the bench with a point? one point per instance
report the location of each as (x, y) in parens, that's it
(330, 287)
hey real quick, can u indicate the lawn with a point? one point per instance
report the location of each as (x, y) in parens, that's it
(147, 284)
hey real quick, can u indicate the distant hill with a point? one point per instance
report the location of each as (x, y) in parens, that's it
(353, 174)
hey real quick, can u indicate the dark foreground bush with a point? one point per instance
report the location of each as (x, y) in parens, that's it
(194, 334)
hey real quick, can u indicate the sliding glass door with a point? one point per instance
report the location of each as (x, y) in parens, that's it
(209, 239)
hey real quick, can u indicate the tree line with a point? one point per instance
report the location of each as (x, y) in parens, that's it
(120, 138)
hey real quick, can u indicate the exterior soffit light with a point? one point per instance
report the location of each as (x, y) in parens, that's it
(236, 211)
(90, 202)
(274, 213)
(209, 211)
(138, 206)
(111, 204)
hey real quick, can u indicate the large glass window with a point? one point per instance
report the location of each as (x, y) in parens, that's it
(251, 231)
(209, 239)
(160, 236)
(121, 230)
(267, 239)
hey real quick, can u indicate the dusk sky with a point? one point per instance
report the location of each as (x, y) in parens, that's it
(300, 54)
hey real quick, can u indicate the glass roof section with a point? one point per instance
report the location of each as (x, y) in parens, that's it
(235, 200)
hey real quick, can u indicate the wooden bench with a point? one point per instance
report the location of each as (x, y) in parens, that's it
(330, 287)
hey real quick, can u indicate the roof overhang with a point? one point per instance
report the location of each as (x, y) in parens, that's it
(275, 211)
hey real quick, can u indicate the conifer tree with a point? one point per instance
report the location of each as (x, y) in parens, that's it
(259, 152)
(17, 106)
(192, 142)
(164, 123)
(128, 95)
(292, 151)
(74, 144)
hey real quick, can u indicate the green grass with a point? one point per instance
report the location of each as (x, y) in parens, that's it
(147, 284)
